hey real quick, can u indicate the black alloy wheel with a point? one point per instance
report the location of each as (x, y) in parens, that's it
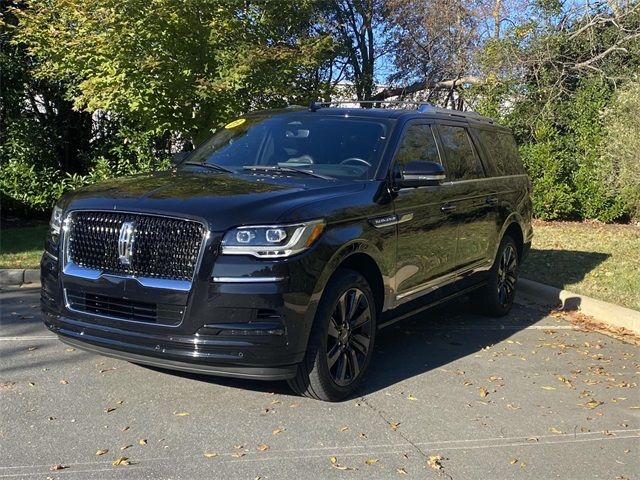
(497, 296)
(507, 275)
(348, 336)
(341, 340)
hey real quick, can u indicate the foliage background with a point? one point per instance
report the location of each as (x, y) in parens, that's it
(98, 88)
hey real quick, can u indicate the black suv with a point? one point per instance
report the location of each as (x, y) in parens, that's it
(279, 247)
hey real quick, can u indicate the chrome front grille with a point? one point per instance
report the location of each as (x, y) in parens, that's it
(158, 247)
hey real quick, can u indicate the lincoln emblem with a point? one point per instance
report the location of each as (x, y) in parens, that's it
(125, 242)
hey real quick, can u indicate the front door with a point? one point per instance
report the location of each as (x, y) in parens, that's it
(427, 234)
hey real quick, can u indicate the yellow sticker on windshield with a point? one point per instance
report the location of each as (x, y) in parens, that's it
(235, 123)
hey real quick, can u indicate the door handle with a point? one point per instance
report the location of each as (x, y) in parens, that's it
(492, 200)
(448, 208)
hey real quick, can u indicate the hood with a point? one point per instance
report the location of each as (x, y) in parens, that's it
(223, 200)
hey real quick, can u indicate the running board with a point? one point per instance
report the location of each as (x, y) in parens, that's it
(430, 305)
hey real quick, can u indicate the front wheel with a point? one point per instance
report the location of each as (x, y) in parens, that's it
(496, 298)
(341, 341)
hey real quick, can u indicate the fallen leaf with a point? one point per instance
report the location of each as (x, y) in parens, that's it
(513, 407)
(294, 405)
(483, 392)
(210, 454)
(125, 447)
(58, 466)
(467, 383)
(401, 471)
(371, 461)
(102, 451)
(394, 425)
(278, 431)
(513, 461)
(121, 461)
(31, 384)
(69, 349)
(411, 397)
(124, 429)
(263, 447)
(142, 441)
(275, 402)
(566, 381)
(238, 447)
(548, 388)
(344, 429)
(434, 462)
(106, 370)
(555, 430)
(109, 409)
(64, 382)
(31, 349)
(494, 378)
(362, 435)
(335, 464)
(181, 414)
(119, 402)
(591, 404)
(238, 455)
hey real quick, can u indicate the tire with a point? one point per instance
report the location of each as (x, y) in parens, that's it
(340, 344)
(496, 297)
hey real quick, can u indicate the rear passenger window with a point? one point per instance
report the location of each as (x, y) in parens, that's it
(503, 151)
(461, 161)
(417, 144)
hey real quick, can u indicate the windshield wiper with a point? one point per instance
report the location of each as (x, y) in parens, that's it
(214, 166)
(274, 168)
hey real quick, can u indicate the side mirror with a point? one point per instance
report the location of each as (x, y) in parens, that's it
(419, 173)
(176, 158)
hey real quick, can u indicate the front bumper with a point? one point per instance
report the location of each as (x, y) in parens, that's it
(246, 329)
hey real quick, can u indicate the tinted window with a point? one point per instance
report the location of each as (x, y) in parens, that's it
(461, 160)
(328, 145)
(503, 151)
(417, 144)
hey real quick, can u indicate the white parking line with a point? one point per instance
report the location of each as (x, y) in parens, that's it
(28, 338)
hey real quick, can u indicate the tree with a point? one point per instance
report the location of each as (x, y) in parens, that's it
(176, 66)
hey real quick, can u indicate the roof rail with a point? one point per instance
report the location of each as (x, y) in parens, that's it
(420, 106)
(319, 104)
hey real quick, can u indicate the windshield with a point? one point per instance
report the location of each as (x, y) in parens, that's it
(328, 146)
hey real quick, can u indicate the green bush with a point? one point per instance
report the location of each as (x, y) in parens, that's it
(622, 148)
(30, 183)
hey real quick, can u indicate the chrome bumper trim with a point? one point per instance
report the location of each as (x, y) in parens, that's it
(247, 279)
(73, 270)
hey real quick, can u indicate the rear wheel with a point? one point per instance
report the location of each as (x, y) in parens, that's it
(496, 298)
(341, 341)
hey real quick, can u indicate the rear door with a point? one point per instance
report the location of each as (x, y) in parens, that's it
(470, 197)
(426, 235)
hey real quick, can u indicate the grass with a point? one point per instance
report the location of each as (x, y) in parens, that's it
(593, 259)
(22, 247)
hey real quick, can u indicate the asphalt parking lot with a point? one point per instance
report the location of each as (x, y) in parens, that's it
(449, 395)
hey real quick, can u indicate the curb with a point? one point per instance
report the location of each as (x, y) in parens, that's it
(19, 276)
(607, 313)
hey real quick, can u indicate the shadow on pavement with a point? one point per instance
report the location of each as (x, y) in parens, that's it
(424, 342)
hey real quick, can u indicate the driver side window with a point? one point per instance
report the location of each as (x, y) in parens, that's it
(418, 143)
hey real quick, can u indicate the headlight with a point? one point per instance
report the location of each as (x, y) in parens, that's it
(272, 241)
(55, 224)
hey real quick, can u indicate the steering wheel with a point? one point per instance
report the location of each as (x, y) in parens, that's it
(354, 160)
